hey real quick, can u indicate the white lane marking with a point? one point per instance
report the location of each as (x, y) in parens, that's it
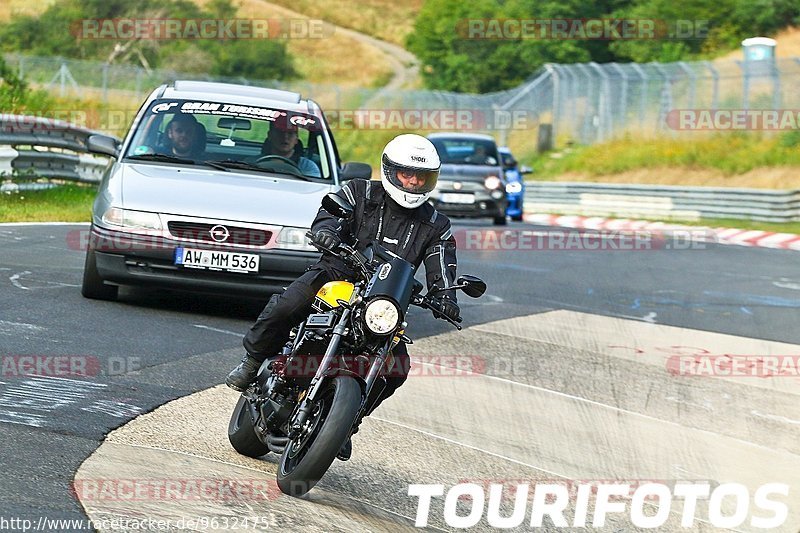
(115, 409)
(7, 327)
(786, 284)
(487, 452)
(42, 394)
(613, 408)
(225, 331)
(706, 405)
(15, 280)
(777, 418)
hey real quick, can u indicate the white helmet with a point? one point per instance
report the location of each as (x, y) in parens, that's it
(413, 155)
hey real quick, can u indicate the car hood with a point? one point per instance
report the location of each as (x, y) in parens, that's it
(468, 172)
(211, 193)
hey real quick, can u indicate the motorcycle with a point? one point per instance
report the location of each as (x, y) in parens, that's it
(305, 407)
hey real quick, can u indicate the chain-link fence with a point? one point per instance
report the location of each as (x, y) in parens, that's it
(583, 103)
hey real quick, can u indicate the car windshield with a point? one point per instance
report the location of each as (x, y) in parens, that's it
(466, 151)
(232, 136)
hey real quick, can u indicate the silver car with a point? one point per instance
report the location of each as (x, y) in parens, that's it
(213, 189)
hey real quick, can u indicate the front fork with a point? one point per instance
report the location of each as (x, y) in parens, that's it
(316, 382)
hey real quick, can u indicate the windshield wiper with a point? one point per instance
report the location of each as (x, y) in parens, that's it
(162, 158)
(244, 165)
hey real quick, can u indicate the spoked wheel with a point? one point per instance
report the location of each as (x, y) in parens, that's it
(241, 432)
(307, 457)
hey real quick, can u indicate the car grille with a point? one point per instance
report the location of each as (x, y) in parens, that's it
(466, 185)
(199, 231)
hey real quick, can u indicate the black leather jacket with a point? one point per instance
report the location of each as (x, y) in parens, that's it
(416, 235)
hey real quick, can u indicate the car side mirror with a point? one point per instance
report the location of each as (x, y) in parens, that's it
(102, 144)
(473, 286)
(337, 206)
(355, 170)
(525, 170)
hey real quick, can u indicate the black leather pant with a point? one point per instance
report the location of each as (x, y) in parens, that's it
(271, 330)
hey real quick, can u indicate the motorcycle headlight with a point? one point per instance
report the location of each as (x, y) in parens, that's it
(381, 316)
(492, 182)
(128, 218)
(294, 239)
(513, 187)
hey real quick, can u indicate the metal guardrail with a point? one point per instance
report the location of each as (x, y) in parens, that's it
(47, 148)
(662, 201)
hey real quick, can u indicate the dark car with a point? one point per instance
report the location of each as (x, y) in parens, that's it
(471, 182)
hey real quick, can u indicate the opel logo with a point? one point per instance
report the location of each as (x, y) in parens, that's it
(220, 233)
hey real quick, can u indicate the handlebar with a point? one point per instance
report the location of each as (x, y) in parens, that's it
(352, 256)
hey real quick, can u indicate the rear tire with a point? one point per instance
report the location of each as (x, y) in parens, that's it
(341, 401)
(517, 218)
(93, 286)
(500, 221)
(242, 434)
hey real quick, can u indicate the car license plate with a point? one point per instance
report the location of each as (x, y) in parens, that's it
(458, 198)
(209, 259)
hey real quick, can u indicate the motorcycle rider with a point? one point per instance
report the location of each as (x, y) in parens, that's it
(393, 212)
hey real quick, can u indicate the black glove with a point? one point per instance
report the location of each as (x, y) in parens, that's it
(448, 308)
(327, 238)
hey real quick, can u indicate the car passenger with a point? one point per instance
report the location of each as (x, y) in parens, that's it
(186, 137)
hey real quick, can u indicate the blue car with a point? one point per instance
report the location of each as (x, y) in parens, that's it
(515, 183)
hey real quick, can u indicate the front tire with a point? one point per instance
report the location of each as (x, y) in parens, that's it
(242, 434)
(500, 221)
(304, 463)
(93, 286)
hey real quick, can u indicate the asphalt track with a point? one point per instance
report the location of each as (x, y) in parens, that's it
(572, 352)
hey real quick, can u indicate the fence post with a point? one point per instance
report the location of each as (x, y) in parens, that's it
(589, 106)
(665, 100)
(604, 104)
(105, 82)
(715, 86)
(623, 107)
(745, 83)
(692, 82)
(644, 86)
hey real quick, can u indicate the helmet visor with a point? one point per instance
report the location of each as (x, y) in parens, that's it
(410, 179)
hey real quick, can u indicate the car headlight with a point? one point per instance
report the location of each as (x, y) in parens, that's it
(130, 219)
(294, 239)
(514, 187)
(381, 316)
(492, 182)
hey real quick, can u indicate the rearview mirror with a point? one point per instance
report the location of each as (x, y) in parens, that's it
(231, 123)
(473, 285)
(337, 206)
(525, 170)
(355, 170)
(102, 144)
